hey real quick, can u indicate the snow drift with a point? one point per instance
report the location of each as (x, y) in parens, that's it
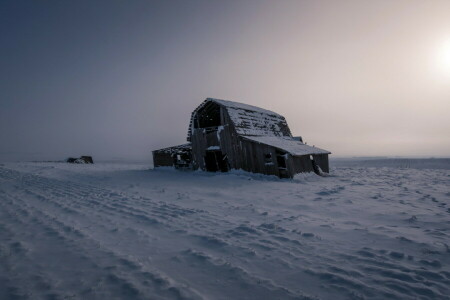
(122, 231)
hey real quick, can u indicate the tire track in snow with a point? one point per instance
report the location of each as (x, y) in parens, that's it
(41, 197)
(117, 277)
(302, 256)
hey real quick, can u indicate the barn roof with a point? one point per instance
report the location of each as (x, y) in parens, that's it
(288, 144)
(243, 106)
(249, 120)
(261, 126)
(175, 149)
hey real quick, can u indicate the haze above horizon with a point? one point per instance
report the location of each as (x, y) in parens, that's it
(119, 79)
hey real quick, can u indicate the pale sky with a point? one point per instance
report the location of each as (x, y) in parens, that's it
(117, 79)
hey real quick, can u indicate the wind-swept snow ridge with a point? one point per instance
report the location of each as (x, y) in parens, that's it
(110, 231)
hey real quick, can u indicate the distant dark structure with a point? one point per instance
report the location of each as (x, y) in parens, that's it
(226, 135)
(81, 160)
(178, 156)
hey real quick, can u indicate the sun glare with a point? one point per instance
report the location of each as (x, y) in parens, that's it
(443, 57)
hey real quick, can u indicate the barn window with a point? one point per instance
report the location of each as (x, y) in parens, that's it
(216, 161)
(182, 160)
(208, 116)
(268, 159)
(281, 160)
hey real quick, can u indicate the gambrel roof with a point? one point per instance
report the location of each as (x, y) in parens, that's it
(248, 120)
(259, 125)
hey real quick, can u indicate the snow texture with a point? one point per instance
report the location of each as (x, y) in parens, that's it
(254, 121)
(213, 148)
(288, 144)
(243, 106)
(122, 231)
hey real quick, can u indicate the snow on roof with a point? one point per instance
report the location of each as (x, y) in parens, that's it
(237, 105)
(175, 149)
(249, 120)
(253, 123)
(287, 144)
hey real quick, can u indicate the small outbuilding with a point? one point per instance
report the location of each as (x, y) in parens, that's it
(82, 160)
(227, 135)
(179, 157)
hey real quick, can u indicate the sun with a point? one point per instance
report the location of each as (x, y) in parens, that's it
(443, 56)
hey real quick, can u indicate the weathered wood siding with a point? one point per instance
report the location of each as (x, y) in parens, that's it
(162, 159)
(322, 161)
(302, 164)
(229, 141)
(245, 154)
(241, 154)
(223, 136)
(252, 158)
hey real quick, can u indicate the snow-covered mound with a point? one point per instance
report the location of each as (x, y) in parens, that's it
(124, 231)
(405, 163)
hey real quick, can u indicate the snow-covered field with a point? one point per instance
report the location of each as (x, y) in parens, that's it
(121, 231)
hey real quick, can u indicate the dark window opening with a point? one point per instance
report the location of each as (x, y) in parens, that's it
(209, 116)
(216, 161)
(281, 160)
(182, 160)
(315, 167)
(268, 159)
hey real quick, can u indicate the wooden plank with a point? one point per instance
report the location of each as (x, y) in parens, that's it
(322, 161)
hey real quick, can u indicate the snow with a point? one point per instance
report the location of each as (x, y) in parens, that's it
(123, 231)
(243, 106)
(213, 148)
(219, 130)
(249, 123)
(288, 144)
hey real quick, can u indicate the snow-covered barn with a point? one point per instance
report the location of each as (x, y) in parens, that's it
(226, 135)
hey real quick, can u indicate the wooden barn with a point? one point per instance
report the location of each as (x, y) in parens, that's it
(226, 135)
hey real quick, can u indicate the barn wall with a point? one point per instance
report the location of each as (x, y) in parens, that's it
(229, 142)
(223, 136)
(253, 154)
(322, 161)
(198, 148)
(302, 164)
(201, 141)
(211, 139)
(252, 158)
(162, 159)
(245, 154)
(241, 153)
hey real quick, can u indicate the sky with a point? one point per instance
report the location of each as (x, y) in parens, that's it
(118, 79)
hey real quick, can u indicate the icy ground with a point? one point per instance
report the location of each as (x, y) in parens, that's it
(122, 231)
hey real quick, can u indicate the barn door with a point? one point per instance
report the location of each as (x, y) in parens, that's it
(315, 167)
(216, 161)
(281, 161)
